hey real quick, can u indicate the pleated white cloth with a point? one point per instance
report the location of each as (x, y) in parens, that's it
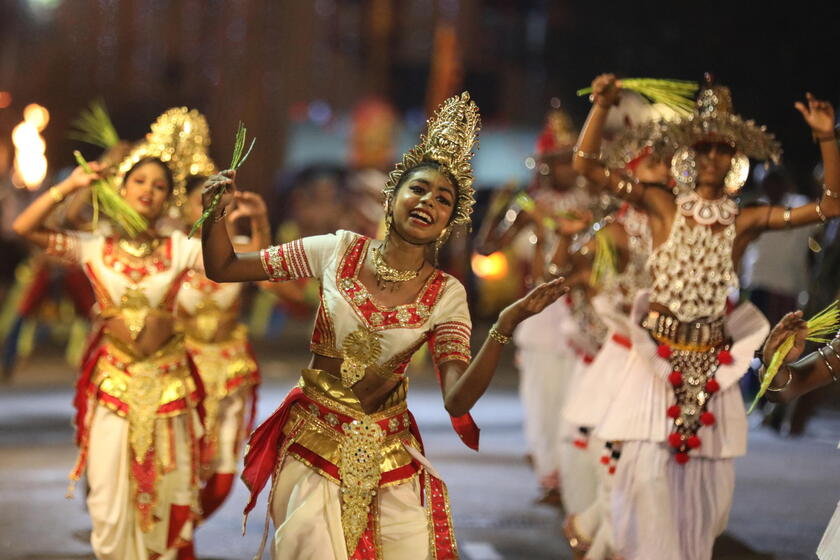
(666, 511)
(306, 510)
(116, 534)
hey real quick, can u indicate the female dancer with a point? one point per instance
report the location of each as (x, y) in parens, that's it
(218, 345)
(798, 377)
(136, 400)
(673, 490)
(345, 452)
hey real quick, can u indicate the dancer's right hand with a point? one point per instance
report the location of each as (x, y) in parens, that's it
(80, 179)
(791, 324)
(226, 180)
(605, 90)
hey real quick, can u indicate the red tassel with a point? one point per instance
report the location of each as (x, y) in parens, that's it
(724, 357)
(712, 386)
(675, 378)
(664, 351)
(605, 460)
(693, 442)
(675, 439)
(674, 411)
(707, 419)
(681, 458)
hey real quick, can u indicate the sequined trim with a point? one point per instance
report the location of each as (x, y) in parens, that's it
(286, 262)
(451, 342)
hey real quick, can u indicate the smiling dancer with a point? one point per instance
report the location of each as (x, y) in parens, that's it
(679, 412)
(344, 451)
(137, 396)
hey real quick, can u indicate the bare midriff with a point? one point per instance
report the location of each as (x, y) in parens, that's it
(372, 390)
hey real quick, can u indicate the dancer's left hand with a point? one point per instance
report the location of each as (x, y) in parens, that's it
(248, 205)
(535, 301)
(818, 114)
(791, 324)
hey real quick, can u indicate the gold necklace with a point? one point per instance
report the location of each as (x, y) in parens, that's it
(388, 274)
(140, 249)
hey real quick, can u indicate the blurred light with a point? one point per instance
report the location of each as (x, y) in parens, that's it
(36, 115)
(42, 9)
(491, 267)
(530, 163)
(5, 99)
(544, 169)
(30, 162)
(555, 103)
(319, 111)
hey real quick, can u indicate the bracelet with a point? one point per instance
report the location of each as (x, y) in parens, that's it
(586, 155)
(56, 194)
(625, 186)
(786, 217)
(827, 364)
(497, 336)
(783, 387)
(822, 139)
(830, 193)
(219, 217)
(820, 212)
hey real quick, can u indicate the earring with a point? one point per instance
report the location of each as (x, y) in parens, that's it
(684, 168)
(388, 221)
(440, 242)
(739, 170)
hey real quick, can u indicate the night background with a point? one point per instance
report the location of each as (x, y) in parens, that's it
(295, 72)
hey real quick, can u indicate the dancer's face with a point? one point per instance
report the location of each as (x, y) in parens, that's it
(423, 205)
(653, 169)
(146, 190)
(713, 161)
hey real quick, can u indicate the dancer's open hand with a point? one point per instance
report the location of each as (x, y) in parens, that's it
(791, 324)
(818, 114)
(534, 301)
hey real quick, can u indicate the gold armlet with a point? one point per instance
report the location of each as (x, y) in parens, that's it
(820, 212)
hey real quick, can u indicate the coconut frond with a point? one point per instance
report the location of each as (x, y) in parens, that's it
(94, 126)
(107, 200)
(676, 94)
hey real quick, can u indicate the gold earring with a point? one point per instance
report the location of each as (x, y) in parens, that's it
(440, 242)
(388, 221)
(739, 170)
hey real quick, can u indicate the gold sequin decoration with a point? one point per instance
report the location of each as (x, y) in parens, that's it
(360, 349)
(143, 399)
(359, 469)
(134, 308)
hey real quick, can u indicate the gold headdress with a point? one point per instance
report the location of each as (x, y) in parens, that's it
(448, 141)
(180, 138)
(558, 135)
(647, 137)
(714, 119)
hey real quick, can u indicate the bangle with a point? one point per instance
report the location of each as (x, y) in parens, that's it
(498, 336)
(827, 364)
(56, 194)
(786, 217)
(820, 212)
(830, 193)
(822, 139)
(783, 387)
(586, 155)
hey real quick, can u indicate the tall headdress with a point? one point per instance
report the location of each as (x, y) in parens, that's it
(180, 137)
(714, 120)
(557, 136)
(450, 136)
(634, 142)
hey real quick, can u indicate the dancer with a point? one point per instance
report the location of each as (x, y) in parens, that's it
(137, 397)
(344, 451)
(218, 345)
(544, 364)
(679, 412)
(626, 235)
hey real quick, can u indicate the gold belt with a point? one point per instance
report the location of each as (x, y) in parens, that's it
(697, 336)
(144, 388)
(331, 425)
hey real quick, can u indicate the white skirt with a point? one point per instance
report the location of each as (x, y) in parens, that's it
(116, 533)
(306, 510)
(663, 510)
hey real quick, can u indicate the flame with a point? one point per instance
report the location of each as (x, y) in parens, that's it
(30, 148)
(491, 267)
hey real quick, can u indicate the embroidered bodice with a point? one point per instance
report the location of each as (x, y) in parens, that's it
(624, 284)
(350, 324)
(197, 292)
(692, 271)
(120, 284)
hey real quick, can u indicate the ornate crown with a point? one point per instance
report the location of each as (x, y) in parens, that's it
(449, 140)
(647, 137)
(180, 138)
(714, 119)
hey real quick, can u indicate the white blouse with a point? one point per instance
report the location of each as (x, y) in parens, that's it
(349, 317)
